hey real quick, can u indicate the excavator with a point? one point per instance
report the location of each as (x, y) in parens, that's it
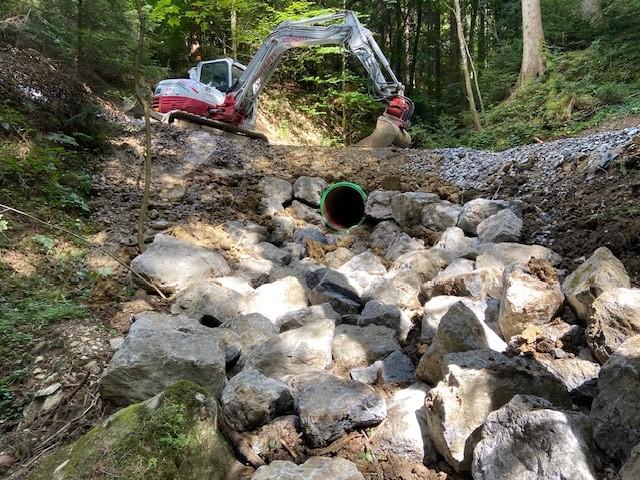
(223, 93)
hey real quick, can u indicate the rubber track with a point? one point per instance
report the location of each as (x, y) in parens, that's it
(198, 120)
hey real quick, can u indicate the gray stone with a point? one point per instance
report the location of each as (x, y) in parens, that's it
(315, 467)
(479, 283)
(616, 317)
(504, 226)
(336, 289)
(275, 299)
(395, 368)
(160, 350)
(250, 399)
(306, 213)
(245, 233)
(476, 211)
(402, 244)
(454, 244)
(116, 343)
(309, 189)
(418, 266)
(355, 346)
(393, 292)
(338, 257)
(440, 216)
(295, 250)
(304, 316)
(252, 329)
(173, 264)
(276, 188)
(631, 469)
(404, 432)
(255, 270)
(616, 423)
(459, 330)
(363, 271)
(475, 384)
(599, 273)
(379, 204)
(213, 303)
(527, 300)
(330, 406)
(530, 439)
(406, 208)
(283, 228)
(383, 235)
(580, 377)
(501, 255)
(236, 283)
(378, 313)
(305, 349)
(272, 253)
(313, 233)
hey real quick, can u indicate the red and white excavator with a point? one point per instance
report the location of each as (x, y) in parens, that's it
(224, 93)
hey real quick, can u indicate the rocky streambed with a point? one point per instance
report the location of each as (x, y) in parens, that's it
(376, 353)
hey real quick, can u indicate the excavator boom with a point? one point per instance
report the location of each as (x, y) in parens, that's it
(343, 28)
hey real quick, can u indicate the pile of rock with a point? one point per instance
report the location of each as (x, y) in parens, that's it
(504, 382)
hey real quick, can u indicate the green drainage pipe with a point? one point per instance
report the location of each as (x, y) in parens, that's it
(342, 205)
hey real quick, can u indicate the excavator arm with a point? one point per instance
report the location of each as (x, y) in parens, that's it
(341, 28)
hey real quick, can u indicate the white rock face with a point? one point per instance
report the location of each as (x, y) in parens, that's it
(631, 469)
(527, 300)
(501, 255)
(204, 299)
(379, 204)
(530, 439)
(599, 273)
(459, 330)
(275, 299)
(440, 216)
(355, 346)
(173, 264)
(616, 423)
(305, 349)
(159, 350)
(406, 208)
(314, 468)
(476, 211)
(475, 384)
(616, 318)
(250, 399)
(329, 406)
(504, 226)
(404, 432)
(363, 271)
(309, 189)
(454, 244)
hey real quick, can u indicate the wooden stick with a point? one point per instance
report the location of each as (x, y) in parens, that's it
(240, 444)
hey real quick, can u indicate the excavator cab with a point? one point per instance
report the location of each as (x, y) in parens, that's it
(220, 74)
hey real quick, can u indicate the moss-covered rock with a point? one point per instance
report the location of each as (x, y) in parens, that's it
(173, 435)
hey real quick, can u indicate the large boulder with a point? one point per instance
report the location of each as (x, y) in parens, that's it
(616, 317)
(477, 283)
(173, 264)
(355, 346)
(208, 302)
(406, 208)
(532, 296)
(475, 384)
(530, 439)
(252, 330)
(616, 423)
(309, 189)
(275, 299)
(315, 467)
(305, 349)
(504, 226)
(631, 469)
(459, 330)
(440, 216)
(393, 292)
(501, 255)
(579, 376)
(183, 415)
(363, 270)
(250, 399)
(404, 432)
(417, 266)
(379, 204)
(329, 406)
(276, 191)
(454, 244)
(602, 271)
(159, 351)
(476, 211)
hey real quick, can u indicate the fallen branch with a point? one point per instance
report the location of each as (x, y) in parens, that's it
(240, 444)
(85, 241)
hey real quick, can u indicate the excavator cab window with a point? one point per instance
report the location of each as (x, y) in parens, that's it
(216, 73)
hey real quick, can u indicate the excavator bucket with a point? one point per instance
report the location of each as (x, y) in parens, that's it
(386, 133)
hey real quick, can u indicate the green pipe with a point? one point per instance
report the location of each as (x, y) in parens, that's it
(342, 205)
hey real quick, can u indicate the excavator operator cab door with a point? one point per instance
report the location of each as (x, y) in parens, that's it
(220, 74)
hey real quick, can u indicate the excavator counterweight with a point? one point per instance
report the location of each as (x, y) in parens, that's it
(225, 93)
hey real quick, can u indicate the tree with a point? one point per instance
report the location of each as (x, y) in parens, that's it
(532, 66)
(591, 11)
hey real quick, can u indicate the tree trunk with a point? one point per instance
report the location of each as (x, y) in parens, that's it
(482, 34)
(234, 32)
(532, 66)
(438, 52)
(79, 60)
(591, 11)
(465, 68)
(416, 41)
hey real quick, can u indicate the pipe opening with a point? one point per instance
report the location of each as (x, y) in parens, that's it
(342, 205)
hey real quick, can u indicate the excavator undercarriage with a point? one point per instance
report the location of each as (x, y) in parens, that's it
(223, 93)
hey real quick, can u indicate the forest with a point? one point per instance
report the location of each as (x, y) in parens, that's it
(578, 67)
